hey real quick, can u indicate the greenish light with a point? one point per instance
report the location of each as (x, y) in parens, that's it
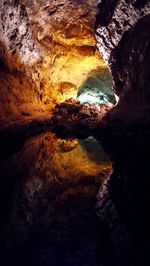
(97, 89)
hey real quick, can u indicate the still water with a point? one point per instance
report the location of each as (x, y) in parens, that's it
(48, 195)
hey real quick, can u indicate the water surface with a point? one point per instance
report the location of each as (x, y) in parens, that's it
(48, 196)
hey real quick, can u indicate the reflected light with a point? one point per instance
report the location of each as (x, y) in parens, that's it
(117, 98)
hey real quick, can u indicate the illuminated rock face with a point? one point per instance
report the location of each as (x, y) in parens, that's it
(97, 88)
(123, 40)
(60, 160)
(47, 50)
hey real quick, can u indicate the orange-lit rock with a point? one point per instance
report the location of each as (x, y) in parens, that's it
(54, 188)
(58, 162)
(47, 50)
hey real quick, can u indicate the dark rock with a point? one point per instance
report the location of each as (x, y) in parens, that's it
(105, 6)
(123, 200)
(72, 117)
(125, 44)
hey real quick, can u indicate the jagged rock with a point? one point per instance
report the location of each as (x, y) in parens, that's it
(124, 41)
(47, 49)
(72, 117)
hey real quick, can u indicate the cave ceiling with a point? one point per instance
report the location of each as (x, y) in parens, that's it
(47, 50)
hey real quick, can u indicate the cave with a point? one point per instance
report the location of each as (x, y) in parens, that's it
(74, 132)
(97, 89)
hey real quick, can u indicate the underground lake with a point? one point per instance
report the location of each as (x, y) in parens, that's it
(74, 132)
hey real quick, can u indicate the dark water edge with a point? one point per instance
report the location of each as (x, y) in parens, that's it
(59, 204)
(47, 199)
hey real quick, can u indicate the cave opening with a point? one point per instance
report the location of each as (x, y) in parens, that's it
(97, 89)
(93, 100)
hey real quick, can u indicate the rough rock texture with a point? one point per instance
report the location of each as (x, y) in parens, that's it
(49, 193)
(97, 88)
(47, 49)
(72, 118)
(44, 162)
(123, 200)
(124, 41)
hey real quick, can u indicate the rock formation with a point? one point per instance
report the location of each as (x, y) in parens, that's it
(72, 118)
(123, 40)
(47, 50)
(51, 213)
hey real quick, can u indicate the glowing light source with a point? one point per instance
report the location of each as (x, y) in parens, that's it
(97, 89)
(117, 98)
(93, 97)
(89, 98)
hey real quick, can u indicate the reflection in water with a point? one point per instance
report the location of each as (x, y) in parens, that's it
(94, 150)
(48, 216)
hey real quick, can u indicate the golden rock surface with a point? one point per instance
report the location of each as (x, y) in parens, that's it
(47, 50)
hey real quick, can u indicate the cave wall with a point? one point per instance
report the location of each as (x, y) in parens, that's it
(123, 200)
(47, 49)
(123, 40)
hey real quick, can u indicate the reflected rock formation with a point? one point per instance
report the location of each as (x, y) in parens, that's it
(123, 38)
(49, 210)
(49, 185)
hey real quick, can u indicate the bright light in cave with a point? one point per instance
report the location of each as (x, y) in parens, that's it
(91, 98)
(87, 98)
(97, 89)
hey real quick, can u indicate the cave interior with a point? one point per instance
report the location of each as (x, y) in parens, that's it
(74, 132)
